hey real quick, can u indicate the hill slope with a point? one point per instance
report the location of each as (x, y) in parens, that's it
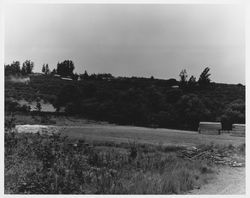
(136, 101)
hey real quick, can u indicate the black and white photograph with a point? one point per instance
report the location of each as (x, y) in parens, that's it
(124, 98)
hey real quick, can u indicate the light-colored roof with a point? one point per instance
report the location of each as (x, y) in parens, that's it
(241, 125)
(210, 123)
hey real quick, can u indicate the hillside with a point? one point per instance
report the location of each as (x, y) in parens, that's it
(135, 101)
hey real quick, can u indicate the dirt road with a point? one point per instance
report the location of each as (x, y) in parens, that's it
(229, 181)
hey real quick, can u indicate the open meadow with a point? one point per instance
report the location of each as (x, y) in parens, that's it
(101, 158)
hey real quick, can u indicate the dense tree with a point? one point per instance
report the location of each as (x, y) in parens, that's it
(104, 76)
(167, 118)
(27, 67)
(173, 95)
(191, 111)
(53, 71)
(75, 76)
(234, 113)
(45, 69)
(12, 69)
(84, 76)
(69, 97)
(155, 99)
(65, 68)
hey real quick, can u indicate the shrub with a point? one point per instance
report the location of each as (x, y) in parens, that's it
(234, 113)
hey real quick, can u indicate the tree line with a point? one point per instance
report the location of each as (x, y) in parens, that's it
(144, 101)
(141, 103)
(66, 69)
(16, 69)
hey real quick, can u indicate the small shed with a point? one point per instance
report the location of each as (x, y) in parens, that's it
(238, 130)
(210, 128)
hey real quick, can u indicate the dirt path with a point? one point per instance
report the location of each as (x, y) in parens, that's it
(228, 181)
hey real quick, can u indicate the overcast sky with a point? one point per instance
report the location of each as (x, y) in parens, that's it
(130, 40)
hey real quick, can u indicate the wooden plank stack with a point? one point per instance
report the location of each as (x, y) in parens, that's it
(238, 130)
(210, 128)
(42, 129)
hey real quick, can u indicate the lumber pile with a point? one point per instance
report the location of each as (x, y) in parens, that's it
(238, 130)
(210, 154)
(211, 128)
(42, 129)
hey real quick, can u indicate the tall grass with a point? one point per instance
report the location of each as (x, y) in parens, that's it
(42, 164)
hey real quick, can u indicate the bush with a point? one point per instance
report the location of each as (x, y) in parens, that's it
(191, 111)
(234, 113)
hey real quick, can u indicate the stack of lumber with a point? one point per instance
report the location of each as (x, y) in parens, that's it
(238, 130)
(211, 128)
(42, 129)
(212, 155)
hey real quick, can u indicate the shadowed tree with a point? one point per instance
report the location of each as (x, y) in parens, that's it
(183, 78)
(53, 71)
(191, 111)
(84, 76)
(65, 68)
(12, 69)
(45, 69)
(75, 76)
(204, 79)
(191, 83)
(69, 97)
(27, 67)
(234, 113)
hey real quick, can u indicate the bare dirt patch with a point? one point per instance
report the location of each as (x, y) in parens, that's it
(228, 181)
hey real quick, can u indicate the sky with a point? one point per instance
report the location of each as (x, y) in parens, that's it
(141, 40)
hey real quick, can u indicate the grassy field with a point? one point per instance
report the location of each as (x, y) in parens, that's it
(78, 128)
(40, 164)
(90, 157)
(148, 135)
